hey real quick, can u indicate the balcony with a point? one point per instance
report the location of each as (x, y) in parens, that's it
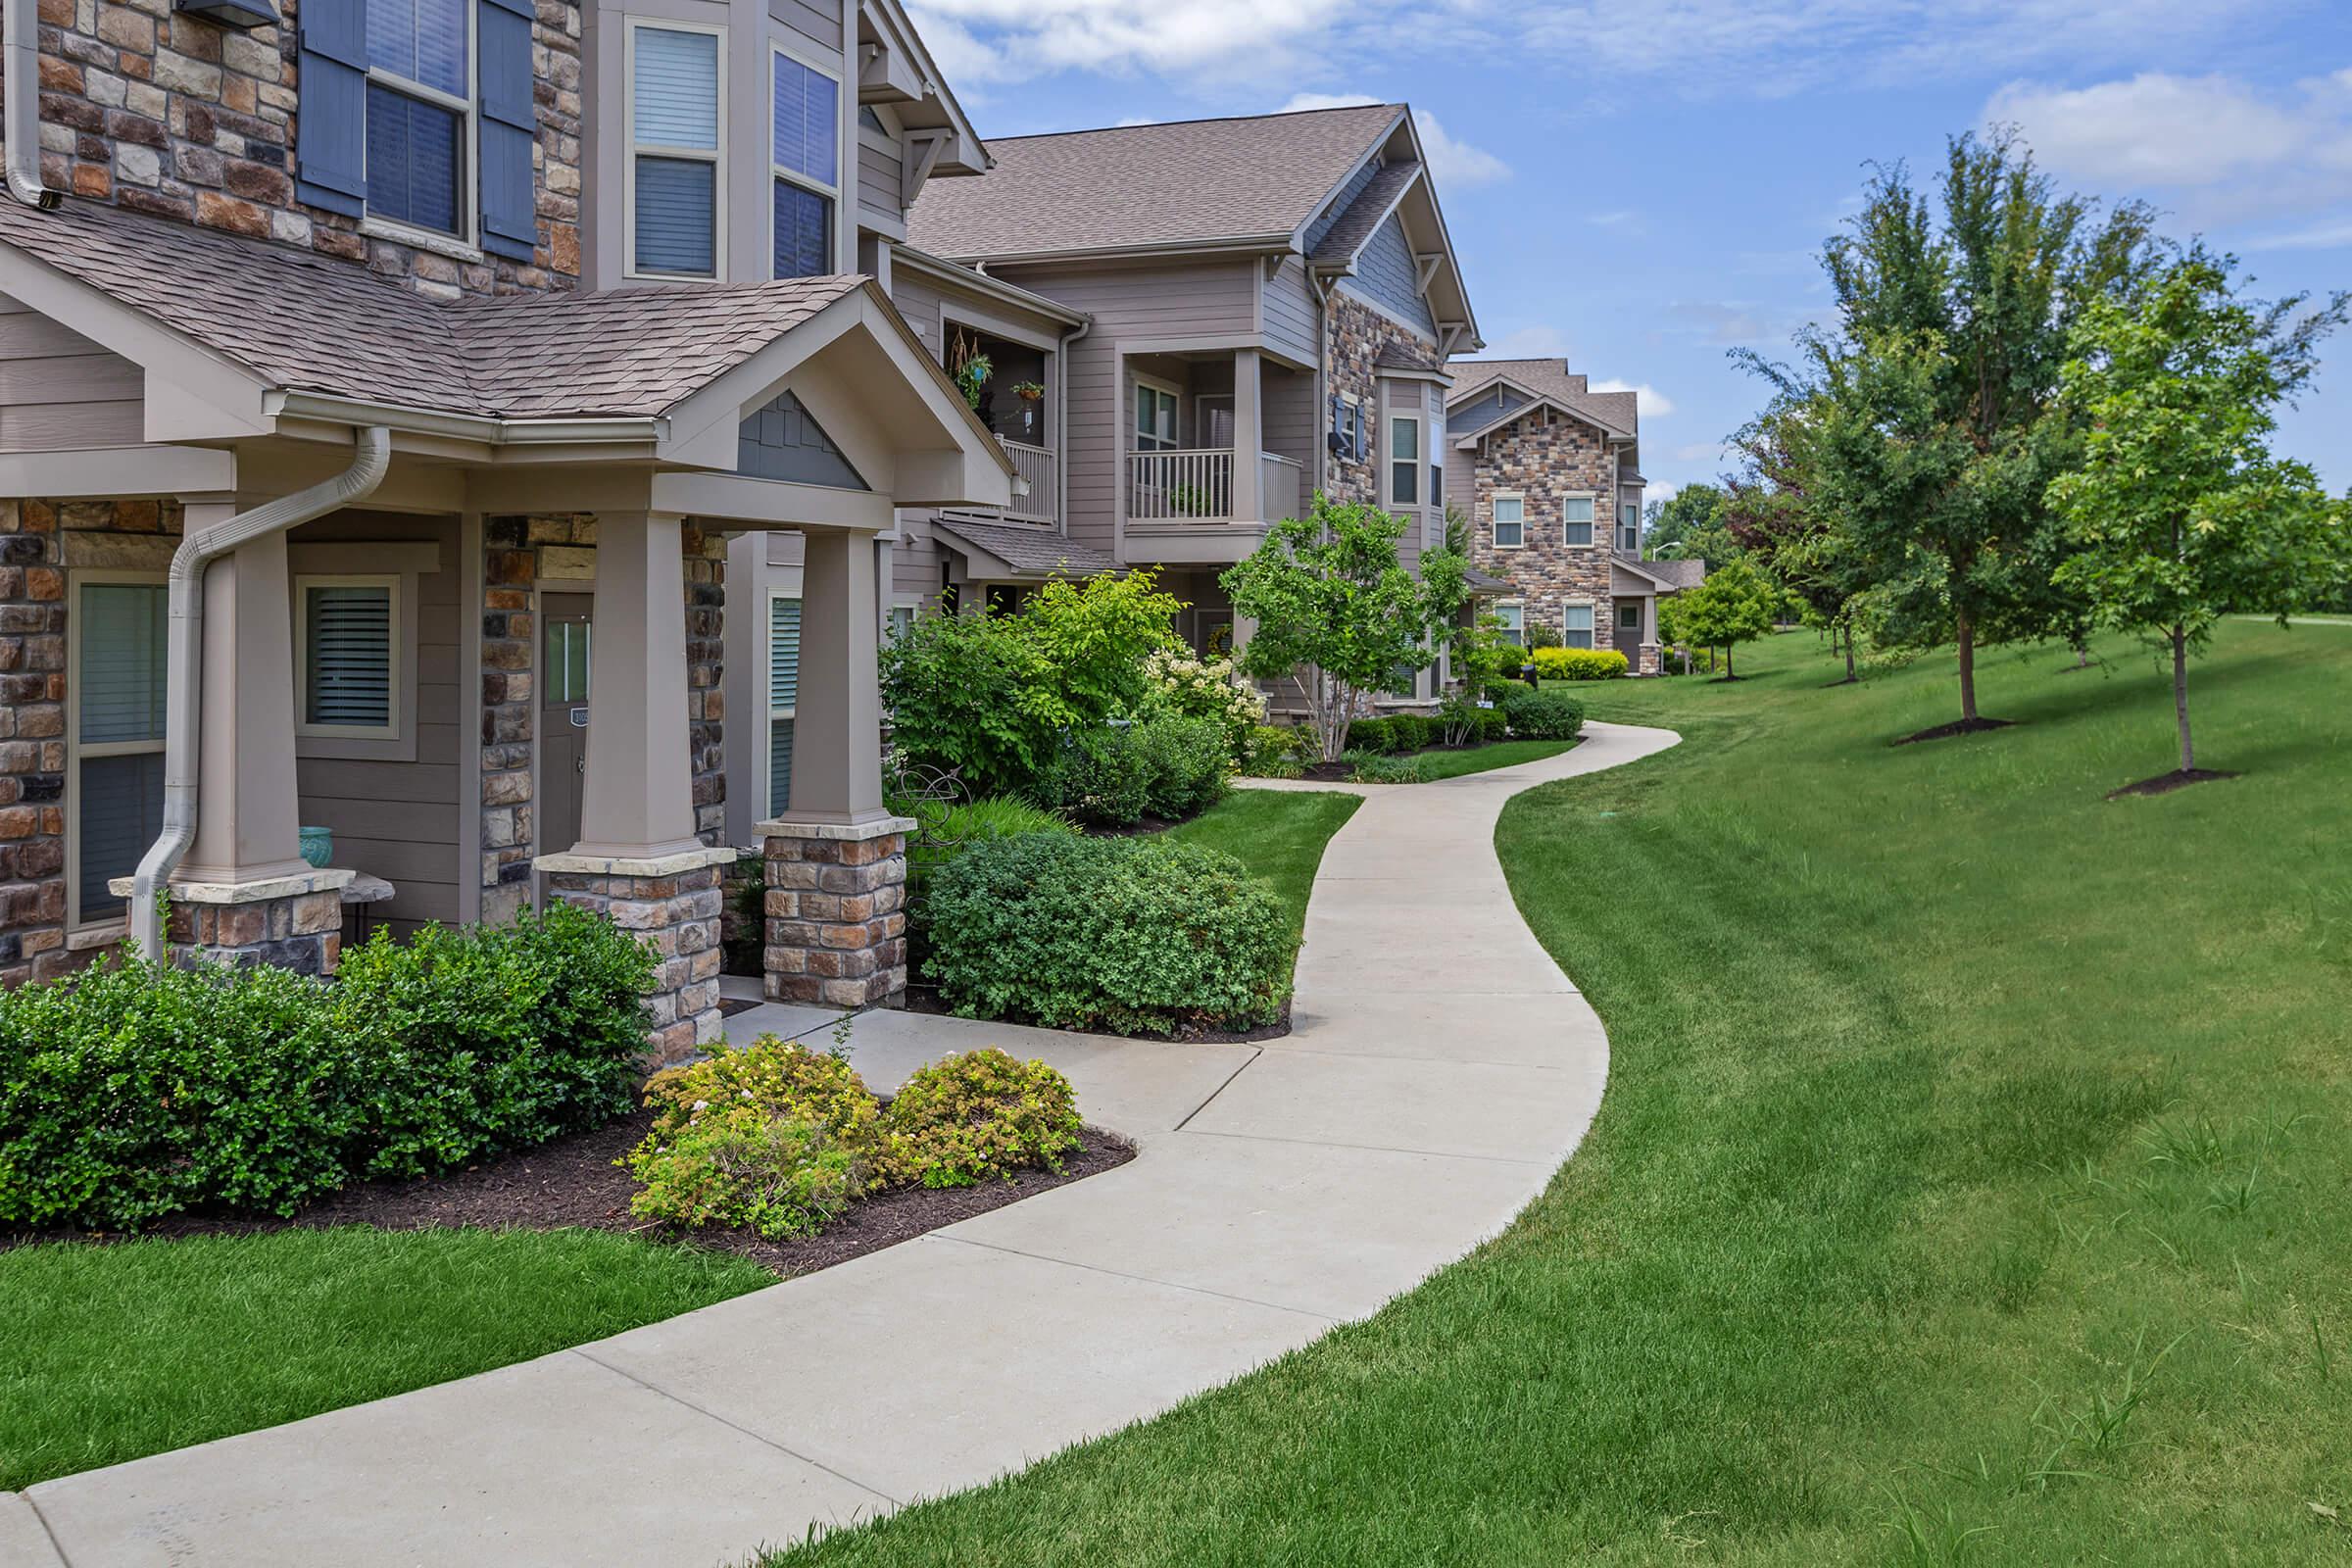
(1043, 502)
(1196, 486)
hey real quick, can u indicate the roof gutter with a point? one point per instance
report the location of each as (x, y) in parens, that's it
(488, 430)
(20, 80)
(183, 681)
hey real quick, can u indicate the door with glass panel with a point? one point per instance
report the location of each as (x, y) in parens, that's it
(569, 634)
(118, 736)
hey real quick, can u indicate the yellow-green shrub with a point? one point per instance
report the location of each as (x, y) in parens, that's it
(777, 1077)
(1578, 664)
(976, 1116)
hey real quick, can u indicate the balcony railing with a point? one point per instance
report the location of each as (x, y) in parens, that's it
(1196, 486)
(1043, 502)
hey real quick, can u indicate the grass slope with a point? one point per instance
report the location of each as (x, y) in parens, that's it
(1970, 1185)
(119, 1350)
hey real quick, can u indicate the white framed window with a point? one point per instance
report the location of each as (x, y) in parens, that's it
(346, 653)
(783, 695)
(900, 618)
(677, 102)
(1513, 616)
(1576, 626)
(1629, 623)
(1510, 522)
(804, 125)
(421, 141)
(1405, 459)
(1629, 528)
(115, 634)
(1155, 425)
(1437, 480)
(1576, 520)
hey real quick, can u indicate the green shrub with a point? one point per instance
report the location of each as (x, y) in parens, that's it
(1369, 767)
(772, 1175)
(1578, 664)
(777, 1078)
(1542, 715)
(943, 828)
(1184, 762)
(1179, 683)
(1375, 735)
(981, 1115)
(128, 1092)
(1412, 732)
(1101, 776)
(1136, 935)
(1544, 637)
(1493, 723)
(1279, 751)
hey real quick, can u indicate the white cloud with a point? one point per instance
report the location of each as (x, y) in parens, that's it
(2220, 148)
(1453, 163)
(1653, 404)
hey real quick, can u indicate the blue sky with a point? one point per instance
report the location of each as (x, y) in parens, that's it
(1642, 185)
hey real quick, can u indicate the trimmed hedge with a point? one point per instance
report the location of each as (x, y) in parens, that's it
(1115, 776)
(1578, 664)
(1139, 936)
(128, 1092)
(1542, 715)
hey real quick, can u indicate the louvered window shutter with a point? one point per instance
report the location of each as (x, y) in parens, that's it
(348, 650)
(783, 697)
(508, 131)
(330, 164)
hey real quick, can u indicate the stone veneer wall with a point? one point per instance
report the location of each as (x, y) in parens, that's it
(678, 916)
(1544, 462)
(836, 915)
(1353, 334)
(164, 113)
(519, 552)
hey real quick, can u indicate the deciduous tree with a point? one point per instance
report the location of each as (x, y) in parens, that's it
(1733, 605)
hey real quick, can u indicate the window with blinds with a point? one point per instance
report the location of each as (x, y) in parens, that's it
(118, 739)
(419, 96)
(347, 657)
(806, 149)
(1576, 626)
(674, 130)
(1576, 512)
(783, 697)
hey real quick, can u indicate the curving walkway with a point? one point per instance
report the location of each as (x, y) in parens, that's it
(1440, 1069)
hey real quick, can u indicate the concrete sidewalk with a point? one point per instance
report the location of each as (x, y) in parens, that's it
(1440, 1069)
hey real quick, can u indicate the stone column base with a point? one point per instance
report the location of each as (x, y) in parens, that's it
(290, 922)
(836, 912)
(1651, 662)
(672, 905)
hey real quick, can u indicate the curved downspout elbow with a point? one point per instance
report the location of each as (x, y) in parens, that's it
(184, 684)
(20, 80)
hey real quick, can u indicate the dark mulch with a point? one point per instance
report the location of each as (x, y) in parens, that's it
(2166, 783)
(922, 998)
(1962, 726)
(1345, 772)
(573, 1182)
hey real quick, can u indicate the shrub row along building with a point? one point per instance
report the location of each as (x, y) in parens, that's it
(381, 378)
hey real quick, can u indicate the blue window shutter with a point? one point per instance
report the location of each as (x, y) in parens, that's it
(331, 129)
(508, 130)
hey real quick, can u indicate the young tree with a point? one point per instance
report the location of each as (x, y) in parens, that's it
(1733, 605)
(1932, 389)
(2180, 508)
(1337, 612)
(1769, 509)
(1688, 526)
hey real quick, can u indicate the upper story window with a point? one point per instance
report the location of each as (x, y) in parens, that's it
(806, 155)
(419, 112)
(1510, 522)
(1154, 418)
(1347, 439)
(1576, 514)
(1404, 461)
(676, 104)
(1629, 527)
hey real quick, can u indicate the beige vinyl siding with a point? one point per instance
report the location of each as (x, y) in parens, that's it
(58, 389)
(915, 562)
(399, 819)
(818, 24)
(1155, 301)
(1293, 425)
(879, 187)
(919, 299)
(1294, 322)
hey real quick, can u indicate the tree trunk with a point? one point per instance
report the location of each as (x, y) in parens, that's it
(1968, 668)
(1849, 653)
(2188, 753)
(1726, 662)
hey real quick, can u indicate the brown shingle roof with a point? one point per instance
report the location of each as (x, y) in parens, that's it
(1346, 236)
(1028, 549)
(1549, 378)
(1397, 356)
(1139, 186)
(312, 323)
(1680, 573)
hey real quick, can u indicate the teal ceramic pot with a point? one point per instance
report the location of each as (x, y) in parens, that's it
(319, 845)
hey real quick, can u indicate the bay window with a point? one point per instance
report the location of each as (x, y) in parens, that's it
(1404, 461)
(806, 164)
(1629, 528)
(675, 109)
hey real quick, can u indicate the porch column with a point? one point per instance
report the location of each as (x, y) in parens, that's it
(1248, 438)
(1649, 658)
(638, 863)
(837, 857)
(637, 801)
(243, 892)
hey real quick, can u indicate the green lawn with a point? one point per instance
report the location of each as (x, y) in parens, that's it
(1971, 1185)
(112, 1352)
(1279, 834)
(1484, 758)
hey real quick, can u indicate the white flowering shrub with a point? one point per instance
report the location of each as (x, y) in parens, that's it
(1205, 688)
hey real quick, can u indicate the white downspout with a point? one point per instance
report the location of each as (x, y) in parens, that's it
(21, 79)
(183, 686)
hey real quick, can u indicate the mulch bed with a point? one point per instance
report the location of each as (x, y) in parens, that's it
(925, 998)
(1345, 772)
(1963, 727)
(573, 1182)
(2166, 783)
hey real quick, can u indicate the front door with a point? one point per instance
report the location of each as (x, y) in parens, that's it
(1629, 632)
(563, 717)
